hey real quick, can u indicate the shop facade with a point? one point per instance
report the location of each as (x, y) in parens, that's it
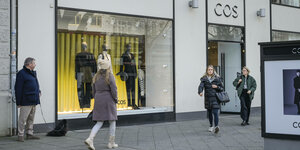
(171, 45)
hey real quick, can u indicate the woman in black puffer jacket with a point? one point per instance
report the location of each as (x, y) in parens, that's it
(212, 84)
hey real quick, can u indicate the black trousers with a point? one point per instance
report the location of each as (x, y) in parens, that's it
(130, 87)
(298, 105)
(84, 94)
(245, 106)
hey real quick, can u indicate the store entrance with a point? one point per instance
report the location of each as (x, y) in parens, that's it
(228, 59)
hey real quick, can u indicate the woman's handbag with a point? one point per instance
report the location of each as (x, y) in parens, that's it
(223, 97)
(90, 116)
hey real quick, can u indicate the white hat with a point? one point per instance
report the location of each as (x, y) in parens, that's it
(103, 64)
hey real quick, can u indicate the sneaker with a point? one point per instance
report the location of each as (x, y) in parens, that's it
(89, 142)
(32, 137)
(247, 123)
(21, 138)
(243, 123)
(217, 129)
(210, 129)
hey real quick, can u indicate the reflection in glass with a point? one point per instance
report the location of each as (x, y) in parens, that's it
(228, 33)
(284, 36)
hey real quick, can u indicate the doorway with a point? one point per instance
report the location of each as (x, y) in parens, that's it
(228, 59)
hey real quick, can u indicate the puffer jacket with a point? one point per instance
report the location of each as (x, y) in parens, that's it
(210, 93)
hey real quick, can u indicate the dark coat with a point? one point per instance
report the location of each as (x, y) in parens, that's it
(210, 93)
(251, 85)
(297, 86)
(85, 63)
(27, 89)
(106, 98)
(128, 62)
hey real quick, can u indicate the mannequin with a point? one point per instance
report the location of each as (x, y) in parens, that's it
(85, 68)
(106, 56)
(128, 62)
(141, 77)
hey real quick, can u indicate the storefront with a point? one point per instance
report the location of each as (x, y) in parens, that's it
(148, 87)
(170, 46)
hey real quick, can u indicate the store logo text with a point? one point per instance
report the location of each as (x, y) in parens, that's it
(227, 10)
(296, 124)
(296, 51)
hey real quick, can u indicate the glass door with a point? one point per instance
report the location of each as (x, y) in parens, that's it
(226, 57)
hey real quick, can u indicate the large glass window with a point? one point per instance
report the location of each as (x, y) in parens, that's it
(287, 2)
(285, 36)
(225, 33)
(149, 86)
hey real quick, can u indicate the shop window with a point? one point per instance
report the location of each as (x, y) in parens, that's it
(295, 3)
(151, 85)
(225, 33)
(285, 36)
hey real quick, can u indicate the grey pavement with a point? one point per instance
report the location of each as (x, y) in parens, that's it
(186, 135)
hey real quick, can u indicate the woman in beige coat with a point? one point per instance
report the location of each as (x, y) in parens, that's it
(105, 94)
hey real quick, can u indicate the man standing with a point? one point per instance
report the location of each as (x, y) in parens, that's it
(28, 96)
(297, 90)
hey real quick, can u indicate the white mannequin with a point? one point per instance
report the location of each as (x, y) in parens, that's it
(141, 76)
(106, 56)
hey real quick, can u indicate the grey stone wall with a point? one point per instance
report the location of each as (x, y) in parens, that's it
(5, 106)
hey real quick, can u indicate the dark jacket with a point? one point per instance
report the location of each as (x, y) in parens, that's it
(85, 63)
(297, 93)
(129, 65)
(251, 85)
(210, 93)
(27, 89)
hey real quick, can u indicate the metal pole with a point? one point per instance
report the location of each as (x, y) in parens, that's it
(13, 69)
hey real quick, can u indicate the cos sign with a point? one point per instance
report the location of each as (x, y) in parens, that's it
(226, 10)
(296, 51)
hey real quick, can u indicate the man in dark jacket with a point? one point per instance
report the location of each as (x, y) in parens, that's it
(27, 93)
(297, 90)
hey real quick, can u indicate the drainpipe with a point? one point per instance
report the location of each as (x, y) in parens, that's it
(13, 64)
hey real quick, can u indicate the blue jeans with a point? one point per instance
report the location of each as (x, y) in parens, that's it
(213, 113)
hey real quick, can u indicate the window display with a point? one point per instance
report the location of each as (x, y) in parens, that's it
(140, 52)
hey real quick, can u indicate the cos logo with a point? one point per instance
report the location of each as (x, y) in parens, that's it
(226, 10)
(296, 124)
(122, 102)
(296, 51)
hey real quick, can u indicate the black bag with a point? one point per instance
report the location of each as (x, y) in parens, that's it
(222, 97)
(90, 116)
(60, 129)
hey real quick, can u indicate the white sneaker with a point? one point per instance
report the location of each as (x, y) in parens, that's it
(112, 143)
(216, 130)
(89, 142)
(210, 129)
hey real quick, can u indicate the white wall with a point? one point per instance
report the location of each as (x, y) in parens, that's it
(190, 55)
(36, 39)
(157, 8)
(285, 18)
(238, 12)
(257, 30)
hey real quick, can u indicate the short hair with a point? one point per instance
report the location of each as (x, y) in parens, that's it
(298, 70)
(245, 67)
(28, 61)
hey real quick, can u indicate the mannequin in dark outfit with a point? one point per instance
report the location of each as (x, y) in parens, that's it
(297, 90)
(128, 62)
(85, 68)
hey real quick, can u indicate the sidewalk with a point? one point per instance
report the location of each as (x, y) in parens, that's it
(187, 135)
